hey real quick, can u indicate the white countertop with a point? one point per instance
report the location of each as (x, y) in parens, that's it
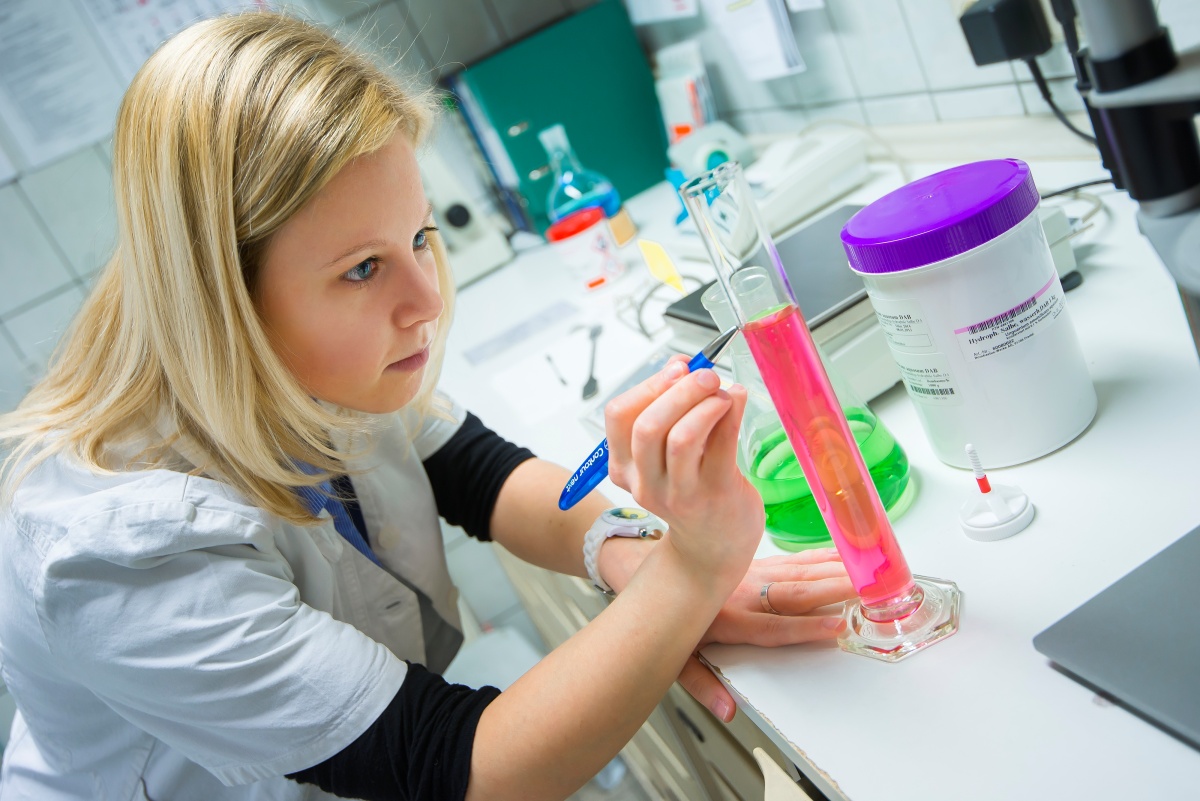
(981, 715)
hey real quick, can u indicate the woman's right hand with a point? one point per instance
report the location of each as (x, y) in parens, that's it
(672, 444)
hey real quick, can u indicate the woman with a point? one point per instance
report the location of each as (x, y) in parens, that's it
(221, 572)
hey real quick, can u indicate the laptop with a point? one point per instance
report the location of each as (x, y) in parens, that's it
(1137, 642)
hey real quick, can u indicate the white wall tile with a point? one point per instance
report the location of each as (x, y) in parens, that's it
(13, 382)
(942, 49)
(1182, 19)
(1055, 63)
(881, 57)
(330, 12)
(780, 120)
(454, 32)
(29, 265)
(905, 110)
(519, 18)
(480, 578)
(982, 101)
(732, 91)
(837, 111)
(390, 34)
(74, 199)
(38, 329)
(1063, 91)
(827, 78)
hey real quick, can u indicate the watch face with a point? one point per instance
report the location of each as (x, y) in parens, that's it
(627, 514)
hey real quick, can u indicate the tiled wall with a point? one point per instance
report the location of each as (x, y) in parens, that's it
(884, 62)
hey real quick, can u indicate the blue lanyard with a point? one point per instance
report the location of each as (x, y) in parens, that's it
(321, 497)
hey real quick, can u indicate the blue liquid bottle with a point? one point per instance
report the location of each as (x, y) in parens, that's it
(575, 187)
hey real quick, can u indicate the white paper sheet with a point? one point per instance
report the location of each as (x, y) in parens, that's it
(759, 33)
(57, 92)
(7, 170)
(131, 30)
(805, 5)
(549, 379)
(642, 12)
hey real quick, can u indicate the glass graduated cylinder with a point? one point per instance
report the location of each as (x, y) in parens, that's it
(766, 457)
(826, 449)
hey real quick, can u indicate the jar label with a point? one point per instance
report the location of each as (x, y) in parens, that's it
(903, 324)
(1014, 326)
(927, 377)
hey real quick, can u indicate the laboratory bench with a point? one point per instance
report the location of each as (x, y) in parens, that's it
(981, 715)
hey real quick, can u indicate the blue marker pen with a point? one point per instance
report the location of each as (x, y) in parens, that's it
(595, 468)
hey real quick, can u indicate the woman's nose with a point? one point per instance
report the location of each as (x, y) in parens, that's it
(420, 297)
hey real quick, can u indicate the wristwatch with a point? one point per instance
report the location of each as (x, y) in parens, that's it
(622, 521)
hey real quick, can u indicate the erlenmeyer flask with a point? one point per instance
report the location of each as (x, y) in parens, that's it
(768, 460)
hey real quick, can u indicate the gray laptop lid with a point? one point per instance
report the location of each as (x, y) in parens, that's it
(1138, 642)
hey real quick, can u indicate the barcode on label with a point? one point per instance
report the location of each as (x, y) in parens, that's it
(933, 390)
(1003, 318)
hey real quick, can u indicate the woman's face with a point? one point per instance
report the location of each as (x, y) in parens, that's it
(348, 287)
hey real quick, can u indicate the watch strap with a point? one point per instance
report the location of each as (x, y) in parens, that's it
(649, 527)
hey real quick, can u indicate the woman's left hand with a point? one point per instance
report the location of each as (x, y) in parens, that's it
(800, 584)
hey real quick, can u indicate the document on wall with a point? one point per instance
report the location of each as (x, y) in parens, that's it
(759, 32)
(57, 92)
(131, 30)
(7, 170)
(805, 5)
(643, 12)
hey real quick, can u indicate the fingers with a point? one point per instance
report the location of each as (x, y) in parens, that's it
(804, 566)
(621, 412)
(676, 424)
(801, 597)
(706, 688)
(811, 556)
(820, 570)
(721, 450)
(776, 630)
(689, 438)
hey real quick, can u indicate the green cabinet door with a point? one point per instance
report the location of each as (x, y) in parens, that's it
(587, 72)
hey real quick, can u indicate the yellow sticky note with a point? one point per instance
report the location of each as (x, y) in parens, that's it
(660, 264)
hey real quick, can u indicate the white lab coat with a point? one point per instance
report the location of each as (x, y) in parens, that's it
(165, 640)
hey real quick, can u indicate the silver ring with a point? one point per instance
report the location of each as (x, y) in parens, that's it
(765, 601)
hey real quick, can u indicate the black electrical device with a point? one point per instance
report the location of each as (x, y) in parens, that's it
(1003, 30)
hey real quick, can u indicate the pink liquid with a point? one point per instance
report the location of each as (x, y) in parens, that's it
(817, 428)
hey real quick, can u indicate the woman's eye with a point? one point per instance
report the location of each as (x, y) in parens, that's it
(421, 240)
(363, 271)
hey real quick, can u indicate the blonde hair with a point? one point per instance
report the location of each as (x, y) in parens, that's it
(226, 131)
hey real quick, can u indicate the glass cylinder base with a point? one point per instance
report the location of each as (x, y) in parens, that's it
(934, 619)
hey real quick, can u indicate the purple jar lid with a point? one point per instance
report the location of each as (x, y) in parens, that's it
(939, 216)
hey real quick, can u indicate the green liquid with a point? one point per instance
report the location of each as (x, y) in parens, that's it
(793, 520)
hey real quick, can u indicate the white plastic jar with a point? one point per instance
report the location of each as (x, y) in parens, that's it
(963, 284)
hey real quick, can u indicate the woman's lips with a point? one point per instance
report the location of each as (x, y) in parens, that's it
(414, 362)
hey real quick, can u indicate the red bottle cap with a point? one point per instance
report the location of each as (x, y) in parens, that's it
(574, 222)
